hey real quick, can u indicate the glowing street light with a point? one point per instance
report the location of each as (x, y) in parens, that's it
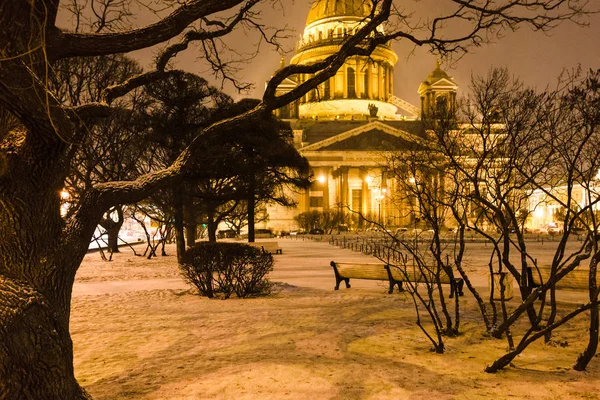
(379, 199)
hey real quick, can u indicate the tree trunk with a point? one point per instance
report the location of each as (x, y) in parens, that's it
(39, 257)
(191, 226)
(36, 352)
(113, 228)
(113, 233)
(251, 205)
(589, 353)
(212, 227)
(178, 225)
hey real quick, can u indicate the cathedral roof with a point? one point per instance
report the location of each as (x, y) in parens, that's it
(321, 9)
(437, 74)
(436, 78)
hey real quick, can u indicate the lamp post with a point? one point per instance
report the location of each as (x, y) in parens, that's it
(379, 198)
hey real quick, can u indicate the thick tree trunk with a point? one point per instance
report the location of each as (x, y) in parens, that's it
(191, 226)
(178, 225)
(584, 359)
(251, 204)
(36, 352)
(38, 262)
(212, 226)
(113, 228)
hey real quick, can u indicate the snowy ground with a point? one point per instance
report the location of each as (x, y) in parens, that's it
(139, 332)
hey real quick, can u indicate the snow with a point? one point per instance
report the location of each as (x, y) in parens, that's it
(140, 332)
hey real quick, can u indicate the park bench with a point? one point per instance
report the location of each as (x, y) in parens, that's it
(383, 272)
(575, 280)
(413, 274)
(269, 247)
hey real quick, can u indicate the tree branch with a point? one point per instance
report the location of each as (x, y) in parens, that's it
(63, 44)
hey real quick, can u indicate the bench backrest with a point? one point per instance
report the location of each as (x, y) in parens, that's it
(415, 274)
(270, 247)
(374, 271)
(576, 279)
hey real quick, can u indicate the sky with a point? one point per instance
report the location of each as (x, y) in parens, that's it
(536, 58)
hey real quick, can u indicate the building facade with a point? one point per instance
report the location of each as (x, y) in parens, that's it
(347, 126)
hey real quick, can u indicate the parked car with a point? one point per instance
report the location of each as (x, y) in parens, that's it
(317, 231)
(263, 233)
(226, 233)
(343, 228)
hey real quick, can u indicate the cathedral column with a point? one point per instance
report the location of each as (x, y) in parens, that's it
(365, 194)
(332, 87)
(380, 76)
(369, 87)
(304, 203)
(357, 78)
(391, 80)
(345, 84)
(325, 186)
(344, 193)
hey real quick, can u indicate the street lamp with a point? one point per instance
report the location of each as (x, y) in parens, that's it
(379, 199)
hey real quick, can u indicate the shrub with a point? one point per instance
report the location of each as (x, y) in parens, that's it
(223, 269)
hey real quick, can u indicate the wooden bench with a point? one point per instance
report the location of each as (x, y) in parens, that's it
(574, 280)
(269, 247)
(413, 274)
(383, 272)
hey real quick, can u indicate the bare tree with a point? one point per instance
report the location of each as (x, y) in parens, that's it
(40, 250)
(111, 147)
(567, 142)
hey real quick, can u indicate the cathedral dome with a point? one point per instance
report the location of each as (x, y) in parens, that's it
(437, 74)
(322, 9)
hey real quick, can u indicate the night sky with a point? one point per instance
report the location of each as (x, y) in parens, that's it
(536, 58)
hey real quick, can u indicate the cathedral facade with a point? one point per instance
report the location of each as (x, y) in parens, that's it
(347, 125)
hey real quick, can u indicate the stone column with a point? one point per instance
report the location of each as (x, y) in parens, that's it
(344, 193)
(304, 203)
(365, 192)
(345, 84)
(357, 79)
(332, 87)
(325, 186)
(391, 79)
(369, 87)
(380, 94)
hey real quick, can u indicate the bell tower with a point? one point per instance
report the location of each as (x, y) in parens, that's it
(437, 92)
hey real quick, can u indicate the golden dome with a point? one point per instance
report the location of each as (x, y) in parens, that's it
(321, 9)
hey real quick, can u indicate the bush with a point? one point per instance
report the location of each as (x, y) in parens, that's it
(223, 269)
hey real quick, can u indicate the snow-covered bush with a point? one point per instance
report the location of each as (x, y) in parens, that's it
(223, 269)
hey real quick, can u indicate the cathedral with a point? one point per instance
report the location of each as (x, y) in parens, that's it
(345, 125)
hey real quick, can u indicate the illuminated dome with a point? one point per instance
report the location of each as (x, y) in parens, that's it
(322, 9)
(437, 74)
(362, 82)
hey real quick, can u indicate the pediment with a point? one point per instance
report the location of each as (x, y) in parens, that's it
(286, 85)
(443, 83)
(374, 136)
